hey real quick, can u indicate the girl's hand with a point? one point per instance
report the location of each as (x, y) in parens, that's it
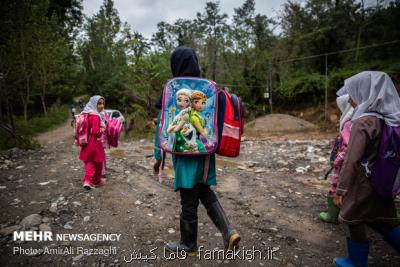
(338, 200)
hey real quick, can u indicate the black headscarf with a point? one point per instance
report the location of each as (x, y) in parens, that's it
(184, 62)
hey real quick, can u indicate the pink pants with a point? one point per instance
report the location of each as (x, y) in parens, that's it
(93, 172)
(334, 182)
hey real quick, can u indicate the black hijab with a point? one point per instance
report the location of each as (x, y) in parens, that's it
(184, 62)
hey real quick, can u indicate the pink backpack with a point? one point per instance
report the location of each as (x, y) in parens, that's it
(81, 129)
(114, 128)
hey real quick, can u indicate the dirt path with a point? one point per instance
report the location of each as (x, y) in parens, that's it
(60, 134)
(272, 194)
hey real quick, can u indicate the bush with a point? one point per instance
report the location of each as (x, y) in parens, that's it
(303, 88)
(137, 119)
(56, 116)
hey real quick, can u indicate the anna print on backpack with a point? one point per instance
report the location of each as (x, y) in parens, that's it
(183, 129)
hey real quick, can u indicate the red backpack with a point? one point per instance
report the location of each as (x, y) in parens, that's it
(230, 124)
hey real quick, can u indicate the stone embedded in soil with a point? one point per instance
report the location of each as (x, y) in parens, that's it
(302, 170)
(86, 218)
(274, 229)
(16, 201)
(44, 228)
(77, 258)
(53, 207)
(31, 220)
(171, 231)
(9, 230)
(68, 227)
(77, 203)
(159, 241)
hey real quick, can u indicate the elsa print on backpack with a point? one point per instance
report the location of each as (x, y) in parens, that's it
(188, 119)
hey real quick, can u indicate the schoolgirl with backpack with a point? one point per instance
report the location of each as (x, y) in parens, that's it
(370, 177)
(94, 131)
(337, 157)
(187, 127)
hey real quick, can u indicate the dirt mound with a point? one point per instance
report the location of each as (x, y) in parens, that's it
(279, 123)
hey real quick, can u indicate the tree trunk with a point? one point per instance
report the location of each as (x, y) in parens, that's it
(358, 44)
(26, 97)
(360, 29)
(10, 114)
(214, 62)
(25, 100)
(25, 106)
(1, 111)
(42, 98)
(43, 95)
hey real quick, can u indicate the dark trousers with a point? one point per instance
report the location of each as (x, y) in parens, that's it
(190, 200)
(358, 232)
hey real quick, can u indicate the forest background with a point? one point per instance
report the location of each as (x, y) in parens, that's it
(50, 54)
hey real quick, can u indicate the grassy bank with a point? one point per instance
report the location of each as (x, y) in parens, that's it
(56, 116)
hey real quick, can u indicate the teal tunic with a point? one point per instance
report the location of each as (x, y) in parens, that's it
(157, 149)
(188, 169)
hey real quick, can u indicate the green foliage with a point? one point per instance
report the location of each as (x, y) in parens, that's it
(57, 115)
(304, 87)
(37, 63)
(27, 130)
(43, 59)
(310, 88)
(136, 119)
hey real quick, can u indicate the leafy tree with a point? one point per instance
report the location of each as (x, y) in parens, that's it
(213, 25)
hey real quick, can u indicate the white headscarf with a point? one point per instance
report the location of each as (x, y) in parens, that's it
(346, 109)
(91, 107)
(375, 95)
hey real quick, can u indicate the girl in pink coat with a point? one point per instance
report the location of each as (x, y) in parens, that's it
(93, 153)
(331, 215)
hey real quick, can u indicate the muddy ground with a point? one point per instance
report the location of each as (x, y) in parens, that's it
(272, 194)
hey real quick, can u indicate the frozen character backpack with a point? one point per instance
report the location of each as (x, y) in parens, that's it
(188, 124)
(230, 123)
(384, 174)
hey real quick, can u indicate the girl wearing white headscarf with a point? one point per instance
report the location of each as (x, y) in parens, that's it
(331, 215)
(93, 153)
(91, 108)
(376, 102)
